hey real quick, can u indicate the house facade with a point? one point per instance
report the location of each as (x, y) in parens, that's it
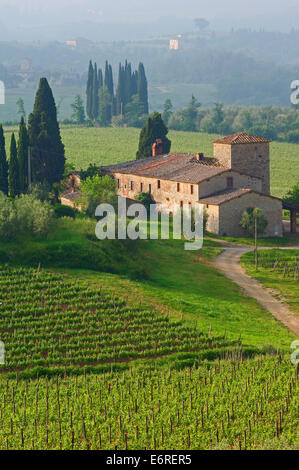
(235, 179)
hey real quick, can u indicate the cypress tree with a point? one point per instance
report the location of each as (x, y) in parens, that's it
(134, 83)
(100, 78)
(142, 88)
(153, 129)
(23, 155)
(3, 164)
(128, 83)
(47, 149)
(120, 92)
(95, 93)
(89, 91)
(13, 170)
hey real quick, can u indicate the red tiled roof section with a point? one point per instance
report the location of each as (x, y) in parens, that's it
(241, 138)
(224, 196)
(184, 168)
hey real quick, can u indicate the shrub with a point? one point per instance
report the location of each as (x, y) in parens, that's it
(8, 218)
(25, 215)
(64, 211)
(145, 199)
(34, 216)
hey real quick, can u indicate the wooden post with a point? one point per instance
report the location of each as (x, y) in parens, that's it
(255, 239)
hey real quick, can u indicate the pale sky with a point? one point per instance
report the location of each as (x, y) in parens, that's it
(222, 14)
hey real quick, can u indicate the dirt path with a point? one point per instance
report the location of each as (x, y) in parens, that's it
(228, 263)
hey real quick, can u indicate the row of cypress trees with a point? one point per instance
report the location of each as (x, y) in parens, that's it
(102, 103)
(14, 171)
(46, 148)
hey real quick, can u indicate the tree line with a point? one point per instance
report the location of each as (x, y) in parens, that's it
(272, 122)
(128, 103)
(39, 145)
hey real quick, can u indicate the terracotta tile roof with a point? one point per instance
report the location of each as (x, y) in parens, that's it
(241, 138)
(224, 196)
(183, 168)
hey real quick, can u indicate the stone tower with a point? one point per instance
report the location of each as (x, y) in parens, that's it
(246, 154)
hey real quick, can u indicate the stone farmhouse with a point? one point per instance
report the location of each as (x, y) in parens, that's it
(235, 179)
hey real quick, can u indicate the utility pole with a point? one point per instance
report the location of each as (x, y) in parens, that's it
(255, 238)
(29, 167)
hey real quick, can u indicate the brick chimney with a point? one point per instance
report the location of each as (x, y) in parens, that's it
(158, 148)
(199, 157)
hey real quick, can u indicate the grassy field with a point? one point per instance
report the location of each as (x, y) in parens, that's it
(277, 272)
(104, 146)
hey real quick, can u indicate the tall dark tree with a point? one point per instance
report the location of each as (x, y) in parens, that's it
(89, 91)
(120, 91)
(142, 87)
(95, 93)
(153, 129)
(100, 78)
(13, 169)
(3, 164)
(47, 149)
(23, 143)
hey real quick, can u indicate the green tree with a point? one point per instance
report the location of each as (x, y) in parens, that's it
(3, 164)
(189, 115)
(95, 94)
(142, 88)
(293, 194)
(13, 169)
(23, 144)
(89, 91)
(21, 107)
(167, 111)
(47, 149)
(248, 221)
(145, 199)
(78, 114)
(105, 107)
(97, 190)
(154, 129)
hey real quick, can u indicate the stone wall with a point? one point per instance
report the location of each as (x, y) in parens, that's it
(219, 183)
(252, 159)
(213, 218)
(130, 185)
(230, 214)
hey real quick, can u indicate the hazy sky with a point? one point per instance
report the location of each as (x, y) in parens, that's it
(270, 14)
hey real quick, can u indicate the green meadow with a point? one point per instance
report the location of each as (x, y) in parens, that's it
(104, 146)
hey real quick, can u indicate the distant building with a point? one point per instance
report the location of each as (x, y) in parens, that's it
(174, 44)
(71, 43)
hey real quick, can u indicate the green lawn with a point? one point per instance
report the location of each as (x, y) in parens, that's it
(104, 146)
(280, 281)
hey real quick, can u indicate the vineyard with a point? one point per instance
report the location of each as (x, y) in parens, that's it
(277, 269)
(237, 404)
(47, 320)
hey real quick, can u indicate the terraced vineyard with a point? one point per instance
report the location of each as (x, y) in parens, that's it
(237, 404)
(47, 320)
